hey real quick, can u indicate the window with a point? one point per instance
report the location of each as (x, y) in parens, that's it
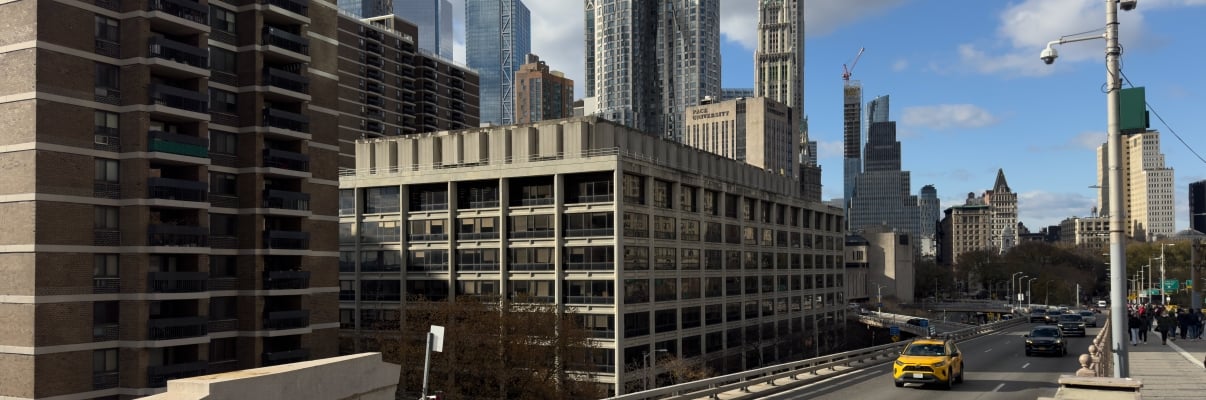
(425, 230)
(589, 224)
(689, 230)
(636, 324)
(531, 259)
(222, 60)
(223, 224)
(589, 258)
(478, 228)
(107, 171)
(636, 225)
(662, 194)
(105, 218)
(107, 29)
(636, 258)
(686, 199)
(347, 202)
(428, 260)
(636, 291)
(710, 202)
(634, 189)
(665, 258)
(690, 288)
(477, 260)
(107, 79)
(664, 228)
(222, 19)
(665, 320)
(531, 226)
(381, 200)
(104, 266)
(223, 143)
(104, 361)
(223, 184)
(105, 123)
(223, 101)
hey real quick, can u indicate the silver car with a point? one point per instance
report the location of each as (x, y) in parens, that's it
(1089, 317)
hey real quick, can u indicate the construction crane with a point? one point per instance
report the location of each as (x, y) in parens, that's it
(846, 72)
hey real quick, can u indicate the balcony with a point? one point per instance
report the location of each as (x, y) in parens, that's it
(106, 237)
(104, 380)
(177, 189)
(179, 98)
(284, 159)
(589, 232)
(286, 45)
(286, 280)
(286, 200)
(287, 11)
(177, 328)
(277, 118)
(279, 78)
(104, 333)
(177, 282)
(426, 237)
(157, 376)
(477, 235)
(175, 143)
(279, 320)
(590, 266)
(177, 235)
(532, 267)
(162, 48)
(288, 240)
(373, 74)
(223, 283)
(178, 16)
(477, 267)
(542, 234)
(590, 300)
(285, 357)
(217, 367)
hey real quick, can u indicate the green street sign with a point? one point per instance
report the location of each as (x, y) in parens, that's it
(1171, 284)
(1189, 284)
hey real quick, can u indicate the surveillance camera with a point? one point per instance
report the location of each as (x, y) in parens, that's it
(1127, 5)
(1048, 55)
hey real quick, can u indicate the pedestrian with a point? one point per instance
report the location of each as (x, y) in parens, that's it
(1183, 323)
(1197, 321)
(1166, 325)
(1135, 324)
(1145, 324)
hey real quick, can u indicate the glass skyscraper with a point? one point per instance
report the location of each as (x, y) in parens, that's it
(365, 8)
(498, 35)
(434, 19)
(883, 193)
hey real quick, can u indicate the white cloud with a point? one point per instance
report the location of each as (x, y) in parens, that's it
(739, 18)
(900, 65)
(1088, 140)
(831, 149)
(1038, 209)
(947, 116)
(1026, 27)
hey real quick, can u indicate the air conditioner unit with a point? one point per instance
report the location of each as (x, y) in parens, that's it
(103, 140)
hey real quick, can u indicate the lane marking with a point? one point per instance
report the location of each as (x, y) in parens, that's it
(998, 388)
(1027, 365)
(1186, 354)
(989, 349)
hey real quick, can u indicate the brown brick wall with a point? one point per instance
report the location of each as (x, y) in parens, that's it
(63, 323)
(17, 329)
(71, 125)
(16, 370)
(324, 308)
(324, 235)
(68, 75)
(64, 223)
(64, 273)
(72, 26)
(66, 174)
(18, 226)
(63, 373)
(322, 343)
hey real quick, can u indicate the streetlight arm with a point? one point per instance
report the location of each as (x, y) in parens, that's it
(1075, 39)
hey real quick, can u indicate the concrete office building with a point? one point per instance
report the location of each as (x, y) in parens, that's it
(194, 136)
(1086, 232)
(883, 193)
(931, 213)
(1197, 206)
(389, 87)
(757, 131)
(1147, 187)
(540, 93)
(498, 34)
(655, 245)
(879, 262)
(647, 61)
(964, 228)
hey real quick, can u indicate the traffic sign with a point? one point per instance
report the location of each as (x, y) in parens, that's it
(1171, 284)
(894, 330)
(895, 338)
(933, 331)
(924, 323)
(1189, 284)
(881, 305)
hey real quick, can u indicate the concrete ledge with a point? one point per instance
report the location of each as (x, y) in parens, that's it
(361, 376)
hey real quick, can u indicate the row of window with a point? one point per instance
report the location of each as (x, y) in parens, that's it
(636, 258)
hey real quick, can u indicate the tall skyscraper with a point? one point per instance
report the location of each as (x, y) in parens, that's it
(366, 8)
(1004, 207)
(541, 93)
(497, 36)
(877, 109)
(930, 212)
(1197, 206)
(646, 61)
(883, 192)
(434, 19)
(213, 239)
(852, 141)
(779, 75)
(1147, 186)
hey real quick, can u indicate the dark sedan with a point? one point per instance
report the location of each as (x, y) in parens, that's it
(1038, 316)
(1072, 324)
(1046, 339)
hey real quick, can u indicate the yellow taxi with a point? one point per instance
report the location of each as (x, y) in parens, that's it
(929, 360)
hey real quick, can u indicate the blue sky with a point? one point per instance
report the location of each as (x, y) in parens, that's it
(969, 93)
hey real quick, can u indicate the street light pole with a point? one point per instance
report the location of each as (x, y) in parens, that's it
(1011, 287)
(1047, 293)
(1163, 295)
(1029, 297)
(879, 297)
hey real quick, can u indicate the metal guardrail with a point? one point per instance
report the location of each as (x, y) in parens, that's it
(768, 375)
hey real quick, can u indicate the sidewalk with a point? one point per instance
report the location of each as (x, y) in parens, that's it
(1172, 371)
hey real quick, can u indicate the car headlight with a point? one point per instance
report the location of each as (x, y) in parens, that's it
(1059, 341)
(898, 363)
(1029, 342)
(940, 364)
(1082, 324)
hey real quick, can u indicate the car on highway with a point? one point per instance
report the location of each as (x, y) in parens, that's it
(1038, 315)
(929, 361)
(1053, 316)
(1089, 317)
(1072, 324)
(1046, 339)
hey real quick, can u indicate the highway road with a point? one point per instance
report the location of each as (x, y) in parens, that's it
(996, 366)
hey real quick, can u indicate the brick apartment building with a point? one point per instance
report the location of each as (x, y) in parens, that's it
(194, 137)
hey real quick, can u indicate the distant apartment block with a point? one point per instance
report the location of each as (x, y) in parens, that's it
(758, 131)
(1147, 187)
(1086, 232)
(966, 227)
(541, 93)
(655, 245)
(200, 138)
(389, 87)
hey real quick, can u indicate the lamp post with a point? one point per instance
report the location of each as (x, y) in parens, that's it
(645, 357)
(1163, 295)
(1030, 298)
(1047, 293)
(879, 297)
(1011, 287)
(1117, 211)
(1019, 295)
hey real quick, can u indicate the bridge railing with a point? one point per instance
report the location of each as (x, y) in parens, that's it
(1099, 360)
(710, 387)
